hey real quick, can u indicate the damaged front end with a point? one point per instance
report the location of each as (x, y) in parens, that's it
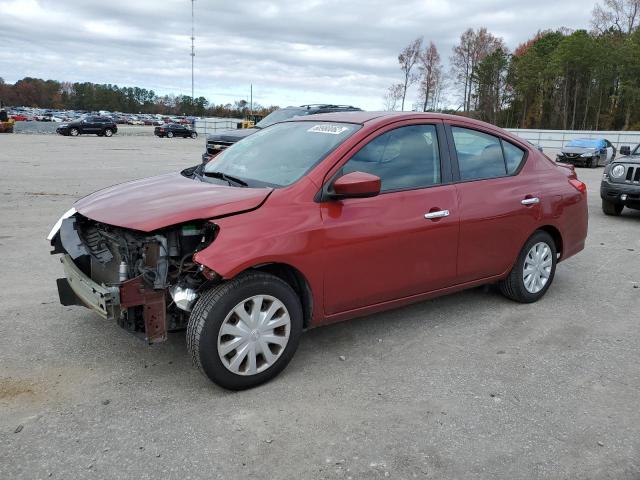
(147, 282)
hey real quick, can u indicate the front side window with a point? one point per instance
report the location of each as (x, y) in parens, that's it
(482, 156)
(404, 158)
(280, 154)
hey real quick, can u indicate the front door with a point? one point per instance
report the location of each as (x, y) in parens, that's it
(402, 242)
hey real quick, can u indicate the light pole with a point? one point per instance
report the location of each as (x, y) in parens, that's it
(193, 54)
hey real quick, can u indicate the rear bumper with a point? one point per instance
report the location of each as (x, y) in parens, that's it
(78, 289)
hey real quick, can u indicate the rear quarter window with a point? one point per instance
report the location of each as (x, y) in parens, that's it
(513, 157)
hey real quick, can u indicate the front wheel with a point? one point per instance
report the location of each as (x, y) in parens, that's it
(74, 132)
(610, 208)
(194, 135)
(531, 276)
(108, 132)
(170, 135)
(245, 331)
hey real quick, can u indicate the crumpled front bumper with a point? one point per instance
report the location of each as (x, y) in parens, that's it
(109, 301)
(78, 289)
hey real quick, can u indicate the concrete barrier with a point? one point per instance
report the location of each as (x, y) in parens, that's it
(556, 139)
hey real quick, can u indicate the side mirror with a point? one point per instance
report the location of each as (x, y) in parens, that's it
(357, 185)
(625, 150)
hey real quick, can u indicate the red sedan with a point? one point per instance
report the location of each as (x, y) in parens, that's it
(317, 220)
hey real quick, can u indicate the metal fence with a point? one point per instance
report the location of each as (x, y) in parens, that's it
(556, 139)
(215, 124)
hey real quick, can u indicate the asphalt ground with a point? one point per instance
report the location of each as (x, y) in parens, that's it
(466, 386)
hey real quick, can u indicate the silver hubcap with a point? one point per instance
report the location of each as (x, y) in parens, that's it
(253, 335)
(537, 267)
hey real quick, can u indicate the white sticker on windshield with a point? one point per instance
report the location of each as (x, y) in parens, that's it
(332, 129)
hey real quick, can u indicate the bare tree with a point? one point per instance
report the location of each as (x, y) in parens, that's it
(392, 96)
(621, 15)
(407, 59)
(474, 46)
(430, 74)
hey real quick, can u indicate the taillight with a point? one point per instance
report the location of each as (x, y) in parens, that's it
(578, 185)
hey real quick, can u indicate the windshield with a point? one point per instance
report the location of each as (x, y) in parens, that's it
(585, 143)
(280, 116)
(281, 154)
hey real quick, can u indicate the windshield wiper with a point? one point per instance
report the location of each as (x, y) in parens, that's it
(227, 178)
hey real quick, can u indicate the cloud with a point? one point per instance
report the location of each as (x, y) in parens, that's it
(293, 52)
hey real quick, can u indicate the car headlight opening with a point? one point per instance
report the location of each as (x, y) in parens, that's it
(617, 171)
(69, 213)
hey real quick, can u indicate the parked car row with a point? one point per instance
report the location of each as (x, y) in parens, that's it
(27, 114)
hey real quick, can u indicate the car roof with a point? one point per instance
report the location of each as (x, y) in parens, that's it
(363, 117)
(383, 118)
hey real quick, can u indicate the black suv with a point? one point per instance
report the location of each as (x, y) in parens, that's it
(620, 186)
(216, 142)
(101, 126)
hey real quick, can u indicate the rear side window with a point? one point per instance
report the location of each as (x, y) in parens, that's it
(513, 156)
(482, 156)
(404, 158)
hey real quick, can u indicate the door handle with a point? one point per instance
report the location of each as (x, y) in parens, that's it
(530, 201)
(436, 214)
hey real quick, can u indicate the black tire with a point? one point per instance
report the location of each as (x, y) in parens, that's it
(610, 208)
(591, 163)
(74, 132)
(210, 312)
(108, 132)
(513, 286)
(194, 135)
(170, 135)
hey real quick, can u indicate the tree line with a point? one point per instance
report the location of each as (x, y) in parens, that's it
(563, 79)
(86, 96)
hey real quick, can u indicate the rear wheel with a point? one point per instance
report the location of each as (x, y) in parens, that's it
(194, 135)
(170, 135)
(610, 208)
(531, 276)
(245, 331)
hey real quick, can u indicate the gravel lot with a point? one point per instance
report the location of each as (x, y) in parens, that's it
(466, 386)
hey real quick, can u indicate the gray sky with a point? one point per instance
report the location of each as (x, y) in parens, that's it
(293, 51)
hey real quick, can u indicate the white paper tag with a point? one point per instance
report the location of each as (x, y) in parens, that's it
(328, 128)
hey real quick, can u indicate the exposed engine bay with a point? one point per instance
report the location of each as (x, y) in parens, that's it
(147, 282)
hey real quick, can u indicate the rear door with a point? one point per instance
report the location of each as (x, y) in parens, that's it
(499, 200)
(92, 125)
(402, 242)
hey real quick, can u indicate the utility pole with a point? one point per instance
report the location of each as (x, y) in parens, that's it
(251, 102)
(193, 54)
